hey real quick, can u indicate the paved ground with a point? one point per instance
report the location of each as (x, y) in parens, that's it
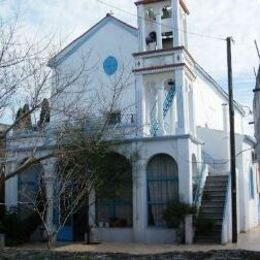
(247, 241)
(248, 248)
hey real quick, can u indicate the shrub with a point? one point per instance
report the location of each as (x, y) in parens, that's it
(17, 230)
(175, 213)
(12, 228)
(205, 225)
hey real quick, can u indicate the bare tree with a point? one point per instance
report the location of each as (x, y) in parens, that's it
(83, 170)
(82, 148)
(24, 77)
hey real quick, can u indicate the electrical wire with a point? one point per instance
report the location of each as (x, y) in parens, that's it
(163, 25)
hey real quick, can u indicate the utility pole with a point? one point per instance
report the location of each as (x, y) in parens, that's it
(232, 143)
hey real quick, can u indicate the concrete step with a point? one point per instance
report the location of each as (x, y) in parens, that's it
(211, 210)
(212, 207)
(211, 215)
(219, 177)
(216, 184)
(212, 233)
(214, 196)
(206, 239)
(221, 189)
(212, 199)
(214, 204)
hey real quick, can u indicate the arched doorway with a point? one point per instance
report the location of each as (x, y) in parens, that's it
(31, 200)
(30, 188)
(162, 187)
(114, 203)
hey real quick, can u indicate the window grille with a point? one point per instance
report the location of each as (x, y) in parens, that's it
(114, 206)
(162, 187)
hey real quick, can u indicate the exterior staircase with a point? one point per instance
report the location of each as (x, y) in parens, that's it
(211, 215)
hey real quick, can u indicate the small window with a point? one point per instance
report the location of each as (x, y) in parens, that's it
(254, 157)
(114, 118)
(167, 12)
(167, 43)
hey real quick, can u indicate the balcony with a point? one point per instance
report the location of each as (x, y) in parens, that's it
(164, 59)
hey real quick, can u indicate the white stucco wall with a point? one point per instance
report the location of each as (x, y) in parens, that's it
(248, 206)
(209, 106)
(93, 92)
(214, 144)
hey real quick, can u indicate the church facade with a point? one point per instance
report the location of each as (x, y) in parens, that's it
(170, 109)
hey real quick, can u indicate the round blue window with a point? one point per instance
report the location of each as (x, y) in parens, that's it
(110, 65)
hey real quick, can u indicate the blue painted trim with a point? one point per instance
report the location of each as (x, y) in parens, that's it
(57, 60)
(161, 203)
(65, 234)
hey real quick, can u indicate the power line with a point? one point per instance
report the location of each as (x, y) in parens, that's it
(163, 25)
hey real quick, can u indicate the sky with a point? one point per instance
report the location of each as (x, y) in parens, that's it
(67, 19)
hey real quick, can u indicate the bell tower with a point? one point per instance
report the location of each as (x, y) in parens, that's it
(164, 69)
(162, 24)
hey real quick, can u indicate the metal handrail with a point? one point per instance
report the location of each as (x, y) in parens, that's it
(225, 213)
(199, 190)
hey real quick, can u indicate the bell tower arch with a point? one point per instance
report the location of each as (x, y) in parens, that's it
(163, 55)
(162, 24)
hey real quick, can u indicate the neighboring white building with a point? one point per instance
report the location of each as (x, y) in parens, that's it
(256, 110)
(171, 109)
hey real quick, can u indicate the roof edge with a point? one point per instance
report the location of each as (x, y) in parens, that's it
(56, 60)
(218, 87)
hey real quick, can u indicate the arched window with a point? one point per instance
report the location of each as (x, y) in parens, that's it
(29, 188)
(162, 187)
(114, 203)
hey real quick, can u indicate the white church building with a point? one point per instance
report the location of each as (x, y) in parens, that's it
(173, 111)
